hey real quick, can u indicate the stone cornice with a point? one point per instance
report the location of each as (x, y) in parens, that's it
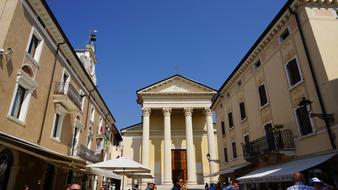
(170, 80)
(177, 93)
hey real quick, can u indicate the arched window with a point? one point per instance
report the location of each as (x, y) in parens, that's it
(28, 70)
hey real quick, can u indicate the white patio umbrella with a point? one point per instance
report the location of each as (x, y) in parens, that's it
(121, 165)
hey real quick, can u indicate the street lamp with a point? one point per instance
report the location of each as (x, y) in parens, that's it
(210, 160)
(306, 104)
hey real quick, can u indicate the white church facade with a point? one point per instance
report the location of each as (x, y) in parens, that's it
(176, 133)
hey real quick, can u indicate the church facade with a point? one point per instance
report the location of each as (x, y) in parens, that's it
(176, 136)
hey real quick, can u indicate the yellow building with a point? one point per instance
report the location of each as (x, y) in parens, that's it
(176, 134)
(263, 110)
(53, 120)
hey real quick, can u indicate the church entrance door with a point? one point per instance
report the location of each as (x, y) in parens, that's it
(179, 163)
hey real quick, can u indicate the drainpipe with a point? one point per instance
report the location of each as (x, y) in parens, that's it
(49, 91)
(315, 81)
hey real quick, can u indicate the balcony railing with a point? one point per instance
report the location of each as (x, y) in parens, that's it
(66, 88)
(277, 142)
(87, 154)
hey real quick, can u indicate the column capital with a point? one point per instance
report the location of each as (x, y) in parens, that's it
(208, 111)
(166, 111)
(146, 111)
(188, 111)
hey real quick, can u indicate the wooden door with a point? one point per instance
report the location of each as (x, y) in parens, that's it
(179, 163)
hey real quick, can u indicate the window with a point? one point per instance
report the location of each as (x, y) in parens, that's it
(293, 72)
(18, 101)
(303, 119)
(82, 99)
(231, 121)
(258, 63)
(34, 46)
(239, 83)
(225, 155)
(25, 85)
(92, 114)
(223, 127)
(246, 139)
(89, 141)
(100, 130)
(234, 149)
(242, 110)
(284, 35)
(262, 95)
(58, 120)
(89, 138)
(75, 139)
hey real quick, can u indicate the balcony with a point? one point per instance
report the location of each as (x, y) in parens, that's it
(276, 143)
(87, 154)
(66, 94)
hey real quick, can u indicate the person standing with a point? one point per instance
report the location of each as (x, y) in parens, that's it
(233, 185)
(298, 180)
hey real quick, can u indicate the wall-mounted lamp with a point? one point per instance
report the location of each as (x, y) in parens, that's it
(210, 160)
(306, 104)
(8, 51)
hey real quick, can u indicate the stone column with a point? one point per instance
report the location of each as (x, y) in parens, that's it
(145, 136)
(191, 161)
(167, 146)
(211, 144)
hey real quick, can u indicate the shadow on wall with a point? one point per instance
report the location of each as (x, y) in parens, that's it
(136, 146)
(67, 130)
(157, 166)
(199, 160)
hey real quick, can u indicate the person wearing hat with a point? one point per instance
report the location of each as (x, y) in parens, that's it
(150, 185)
(318, 184)
(298, 179)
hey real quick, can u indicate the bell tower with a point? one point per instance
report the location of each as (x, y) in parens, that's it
(87, 55)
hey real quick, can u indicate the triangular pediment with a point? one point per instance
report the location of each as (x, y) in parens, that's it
(177, 84)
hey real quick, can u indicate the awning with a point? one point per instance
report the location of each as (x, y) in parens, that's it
(103, 173)
(228, 170)
(283, 172)
(41, 152)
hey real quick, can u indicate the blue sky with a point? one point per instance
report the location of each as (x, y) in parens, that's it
(140, 42)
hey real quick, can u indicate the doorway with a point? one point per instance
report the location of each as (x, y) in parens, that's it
(270, 138)
(179, 163)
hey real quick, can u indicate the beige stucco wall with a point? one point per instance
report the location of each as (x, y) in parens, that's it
(320, 28)
(18, 21)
